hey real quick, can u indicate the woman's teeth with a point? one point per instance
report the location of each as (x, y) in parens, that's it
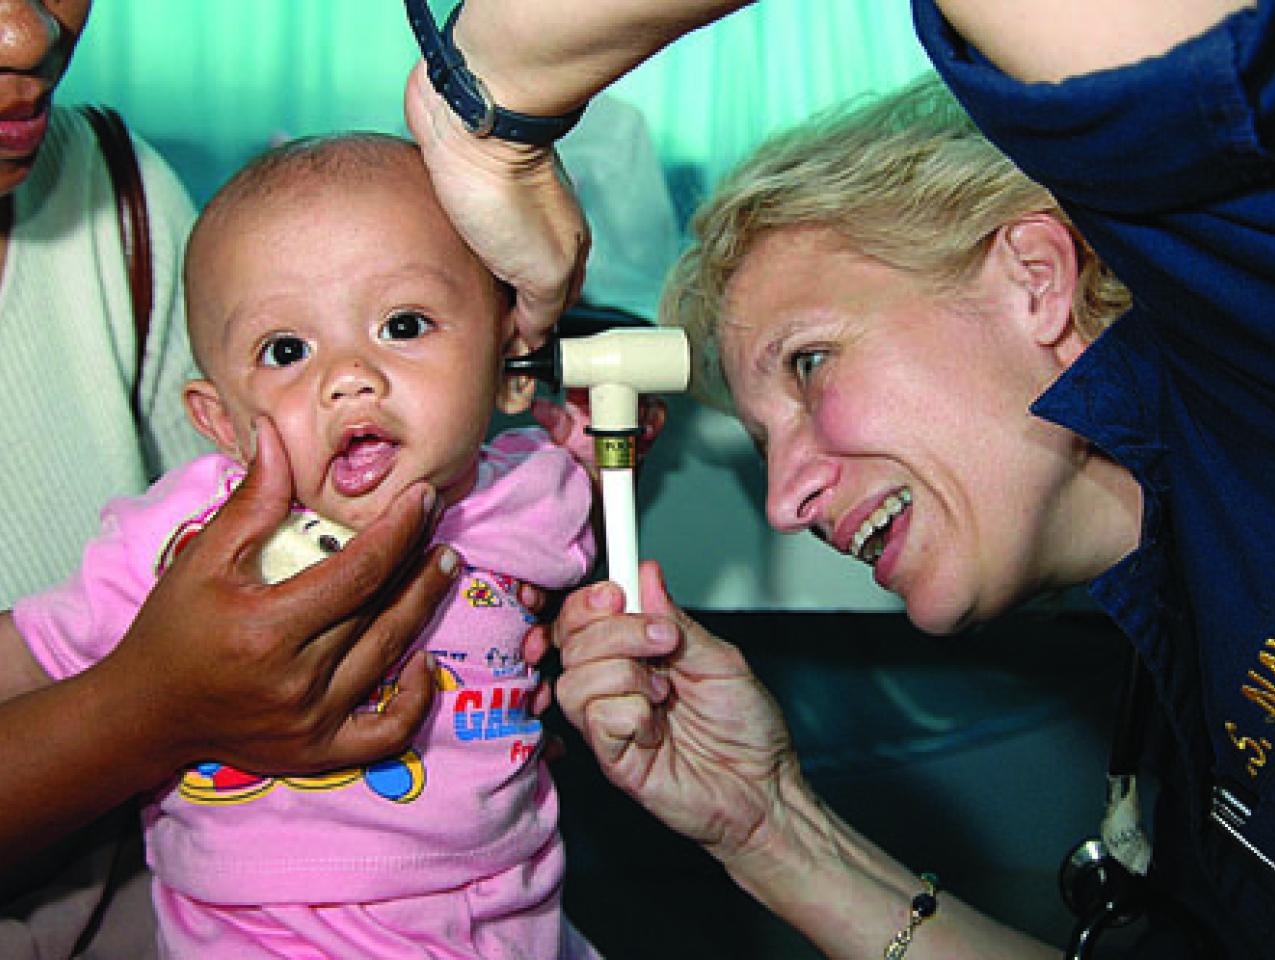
(868, 542)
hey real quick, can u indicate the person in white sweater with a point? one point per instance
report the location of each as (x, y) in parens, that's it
(68, 383)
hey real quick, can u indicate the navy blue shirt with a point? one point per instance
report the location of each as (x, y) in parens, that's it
(1166, 168)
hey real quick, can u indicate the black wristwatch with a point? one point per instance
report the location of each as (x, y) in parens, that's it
(466, 93)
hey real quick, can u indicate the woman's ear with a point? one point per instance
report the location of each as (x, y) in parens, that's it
(1040, 253)
(208, 415)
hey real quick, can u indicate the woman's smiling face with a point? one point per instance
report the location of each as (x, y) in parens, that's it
(894, 421)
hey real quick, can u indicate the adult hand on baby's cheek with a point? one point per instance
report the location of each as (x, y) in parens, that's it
(206, 628)
(265, 677)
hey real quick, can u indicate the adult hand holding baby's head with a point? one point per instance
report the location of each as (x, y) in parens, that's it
(513, 204)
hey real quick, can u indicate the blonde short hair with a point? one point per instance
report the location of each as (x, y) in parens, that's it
(906, 179)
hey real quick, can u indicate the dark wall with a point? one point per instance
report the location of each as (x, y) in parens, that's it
(980, 757)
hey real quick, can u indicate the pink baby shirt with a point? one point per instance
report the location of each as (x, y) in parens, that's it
(470, 798)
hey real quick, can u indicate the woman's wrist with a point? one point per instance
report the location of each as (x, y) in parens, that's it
(849, 898)
(546, 59)
(808, 867)
(519, 76)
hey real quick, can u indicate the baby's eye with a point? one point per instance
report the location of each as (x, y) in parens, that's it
(282, 351)
(406, 325)
(805, 363)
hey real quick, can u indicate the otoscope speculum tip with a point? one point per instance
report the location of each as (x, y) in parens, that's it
(543, 364)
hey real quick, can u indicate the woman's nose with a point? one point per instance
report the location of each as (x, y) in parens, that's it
(28, 34)
(797, 477)
(353, 378)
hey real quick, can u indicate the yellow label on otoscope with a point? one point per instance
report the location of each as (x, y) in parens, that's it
(615, 452)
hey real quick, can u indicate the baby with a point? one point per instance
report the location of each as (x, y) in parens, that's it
(328, 290)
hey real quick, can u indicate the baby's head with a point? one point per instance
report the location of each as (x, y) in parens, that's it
(327, 288)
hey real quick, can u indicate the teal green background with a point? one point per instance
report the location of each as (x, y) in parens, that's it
(212, 82)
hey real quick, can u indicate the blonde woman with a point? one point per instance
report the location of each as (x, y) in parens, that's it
(910, 330)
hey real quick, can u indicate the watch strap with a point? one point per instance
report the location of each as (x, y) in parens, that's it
(467, 95)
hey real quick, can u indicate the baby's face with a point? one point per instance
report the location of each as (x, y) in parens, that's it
(353, 316)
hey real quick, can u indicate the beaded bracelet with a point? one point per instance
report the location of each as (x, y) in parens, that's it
(924, 906)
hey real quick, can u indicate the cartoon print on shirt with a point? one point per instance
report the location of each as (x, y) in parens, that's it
(398, 779)
(482, 593)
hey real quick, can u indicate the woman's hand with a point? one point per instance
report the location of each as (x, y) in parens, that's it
(266, 678)
(676, 718)
(511, 202)
(679, 722)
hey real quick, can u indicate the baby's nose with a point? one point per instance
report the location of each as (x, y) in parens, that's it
(353, 379)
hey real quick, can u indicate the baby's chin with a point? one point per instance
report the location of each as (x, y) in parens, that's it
(460, 485)
(357, 513)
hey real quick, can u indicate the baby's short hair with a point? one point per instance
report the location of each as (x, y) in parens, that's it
(288, 166)
(306, 159)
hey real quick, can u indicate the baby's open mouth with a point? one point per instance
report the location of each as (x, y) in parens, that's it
(364, 461)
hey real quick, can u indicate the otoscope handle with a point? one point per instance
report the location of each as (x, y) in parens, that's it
(620, 522)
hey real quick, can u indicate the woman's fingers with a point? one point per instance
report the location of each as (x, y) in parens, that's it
(589, 628)
(619, 724)
(581, 688)
(616, 705)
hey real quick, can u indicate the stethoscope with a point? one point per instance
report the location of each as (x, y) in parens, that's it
(1099, 889)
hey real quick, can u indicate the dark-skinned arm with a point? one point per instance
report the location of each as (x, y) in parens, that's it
(217, 665)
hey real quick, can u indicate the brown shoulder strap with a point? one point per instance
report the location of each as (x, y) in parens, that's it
(130, 204)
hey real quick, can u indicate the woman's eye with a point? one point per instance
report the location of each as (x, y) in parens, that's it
(283, 351)
(805, 364)
(406, 325)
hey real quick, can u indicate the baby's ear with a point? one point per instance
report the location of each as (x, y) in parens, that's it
(516, 391)
(208, 415)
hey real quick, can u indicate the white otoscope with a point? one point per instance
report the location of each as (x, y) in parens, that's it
(616, 366)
